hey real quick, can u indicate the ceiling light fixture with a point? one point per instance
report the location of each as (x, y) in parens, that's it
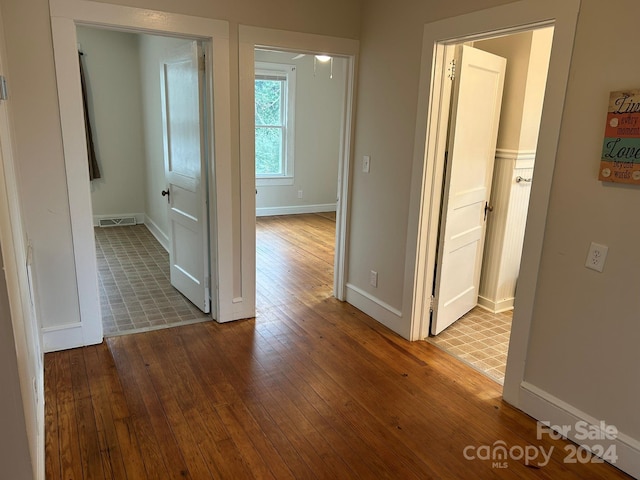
(322, 59)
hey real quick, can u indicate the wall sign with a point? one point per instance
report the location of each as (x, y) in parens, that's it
(621, 147)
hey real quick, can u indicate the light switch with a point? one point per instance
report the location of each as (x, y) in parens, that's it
(366, 163)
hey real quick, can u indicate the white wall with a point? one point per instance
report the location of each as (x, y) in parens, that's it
(112, 71)
(152, 49)
(40, 160)
(517, 50)
(541, 44)
(318, 124)
(38, 131)
(21, 368)
(123, 76)
(14, 447)
(584, 337)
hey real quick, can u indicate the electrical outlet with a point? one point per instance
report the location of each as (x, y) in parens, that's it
(300, 193)
(596, 256)
(366, 163)
(373, 278)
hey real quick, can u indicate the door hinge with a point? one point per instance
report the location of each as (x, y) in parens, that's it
(206, 282)
(3, 88)
(452, 70)
(432, 303)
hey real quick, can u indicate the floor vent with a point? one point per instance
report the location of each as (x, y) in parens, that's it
(117, 222)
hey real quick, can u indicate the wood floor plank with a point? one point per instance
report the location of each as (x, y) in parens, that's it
(310, 389)
(344, 400)
(69, 437)
(178, 400)
(103, 396)
(52, 447)
(92, 466)
(204, 394)
(142, 421)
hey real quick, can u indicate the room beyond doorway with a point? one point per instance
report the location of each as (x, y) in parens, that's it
(294, 260)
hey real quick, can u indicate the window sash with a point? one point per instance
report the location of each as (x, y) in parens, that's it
(280, 170)
(286, 77)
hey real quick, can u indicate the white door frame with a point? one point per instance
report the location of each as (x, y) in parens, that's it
(251, 38)
(65, 16)
(429, 146)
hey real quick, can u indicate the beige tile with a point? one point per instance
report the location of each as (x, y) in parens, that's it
(481, 338)
(134, 282)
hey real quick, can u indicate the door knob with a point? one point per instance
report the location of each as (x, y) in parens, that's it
(487, 208)
(166, 193)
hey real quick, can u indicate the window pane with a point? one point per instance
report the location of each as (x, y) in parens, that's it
(269, 102)
(269, 151)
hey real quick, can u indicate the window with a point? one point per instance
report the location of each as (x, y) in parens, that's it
(274, 113)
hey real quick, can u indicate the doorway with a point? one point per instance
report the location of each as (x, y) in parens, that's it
(299, 106)
(65, 17)
(303, 45)
(134, 229)
(479, 330)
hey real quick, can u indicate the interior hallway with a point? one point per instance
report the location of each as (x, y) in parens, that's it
(312, 388)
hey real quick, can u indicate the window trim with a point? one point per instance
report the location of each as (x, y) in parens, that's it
(288, 72)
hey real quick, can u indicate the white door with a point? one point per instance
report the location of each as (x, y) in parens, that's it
(185, 168)
(475, 114)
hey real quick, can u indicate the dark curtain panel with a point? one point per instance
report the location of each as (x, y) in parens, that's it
(94, 170)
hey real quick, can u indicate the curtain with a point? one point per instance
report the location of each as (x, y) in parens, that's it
(94, 170)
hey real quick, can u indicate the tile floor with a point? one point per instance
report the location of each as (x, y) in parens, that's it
(481, 339)
(135, 292)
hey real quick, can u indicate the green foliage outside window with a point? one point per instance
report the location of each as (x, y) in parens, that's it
(269, 105)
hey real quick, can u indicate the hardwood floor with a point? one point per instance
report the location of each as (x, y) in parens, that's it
(312, 388)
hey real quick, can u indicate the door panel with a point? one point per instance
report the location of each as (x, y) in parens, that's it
(475, 115)
(185, 169)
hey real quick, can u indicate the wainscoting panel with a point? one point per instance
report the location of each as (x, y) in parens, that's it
(505, 229)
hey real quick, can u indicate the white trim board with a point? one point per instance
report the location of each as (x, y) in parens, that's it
(496, 307)
(295, 210)
(163, 238)
(382, 312)
(547, 408)
(63, 337)
(523, 159)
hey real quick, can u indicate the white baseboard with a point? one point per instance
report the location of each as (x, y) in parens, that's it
(548, 409)
(496, 307)
(64, 337)
(162, 237)
(380, 311)
(140, 217)
(238, 309)
(294, 210)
